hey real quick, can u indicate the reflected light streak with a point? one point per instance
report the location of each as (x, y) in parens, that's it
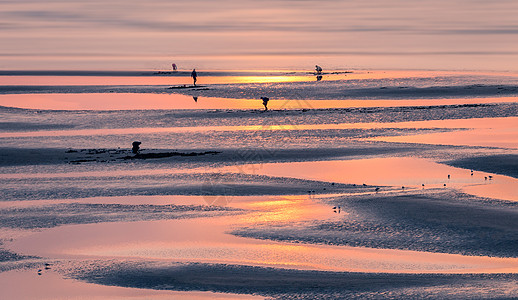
(396, 172)
(285, 209)
(491, 137)
(152, 80)
(506, 124)
(204, 240)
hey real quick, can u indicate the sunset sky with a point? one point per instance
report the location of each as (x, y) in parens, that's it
(246, 34)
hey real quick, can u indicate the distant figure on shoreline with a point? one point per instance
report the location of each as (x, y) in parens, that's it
(174, 68)
(265, 102)
(136, 147)
(194, 75)
(318, 69)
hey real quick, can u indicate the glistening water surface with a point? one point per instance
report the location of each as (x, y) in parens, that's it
(176, 101)
(88, 123)
(44, 287)
(206, 240)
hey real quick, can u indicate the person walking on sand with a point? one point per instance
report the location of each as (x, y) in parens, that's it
(265, 102)
(194, 75)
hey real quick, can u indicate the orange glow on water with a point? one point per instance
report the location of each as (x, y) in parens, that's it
(503, 138)
(204, 240)
(156, 80)
(285, 209)
(396, 172)
(483, 125)
(261, 76)
(114, 101)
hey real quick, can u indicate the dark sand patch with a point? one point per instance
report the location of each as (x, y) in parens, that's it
(8, 256)
(295, 284)
(342, 90)
(504, 164)
(288, 90)
(10, 260)
(168, 154)
(192, 87)
(29, 126)
(236, 117)
(44, 156)
(48, 216)
(199, 157)
(445, 222)
(166, 184)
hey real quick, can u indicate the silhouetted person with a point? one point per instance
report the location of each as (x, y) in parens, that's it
(136, 147)
(194, 75)
(265, 102)
(318, 69)
(174, 67)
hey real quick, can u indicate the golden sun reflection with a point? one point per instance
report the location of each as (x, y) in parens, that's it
(271, 79)
(286, 209)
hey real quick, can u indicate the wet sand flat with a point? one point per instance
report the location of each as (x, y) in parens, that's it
(358, 185)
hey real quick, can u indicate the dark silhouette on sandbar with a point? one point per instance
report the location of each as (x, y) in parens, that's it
(136, 147)
(265, 102)
(194, 76)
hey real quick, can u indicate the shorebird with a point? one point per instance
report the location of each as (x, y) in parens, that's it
(377, 189)
(448, 176)
(490, 177)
